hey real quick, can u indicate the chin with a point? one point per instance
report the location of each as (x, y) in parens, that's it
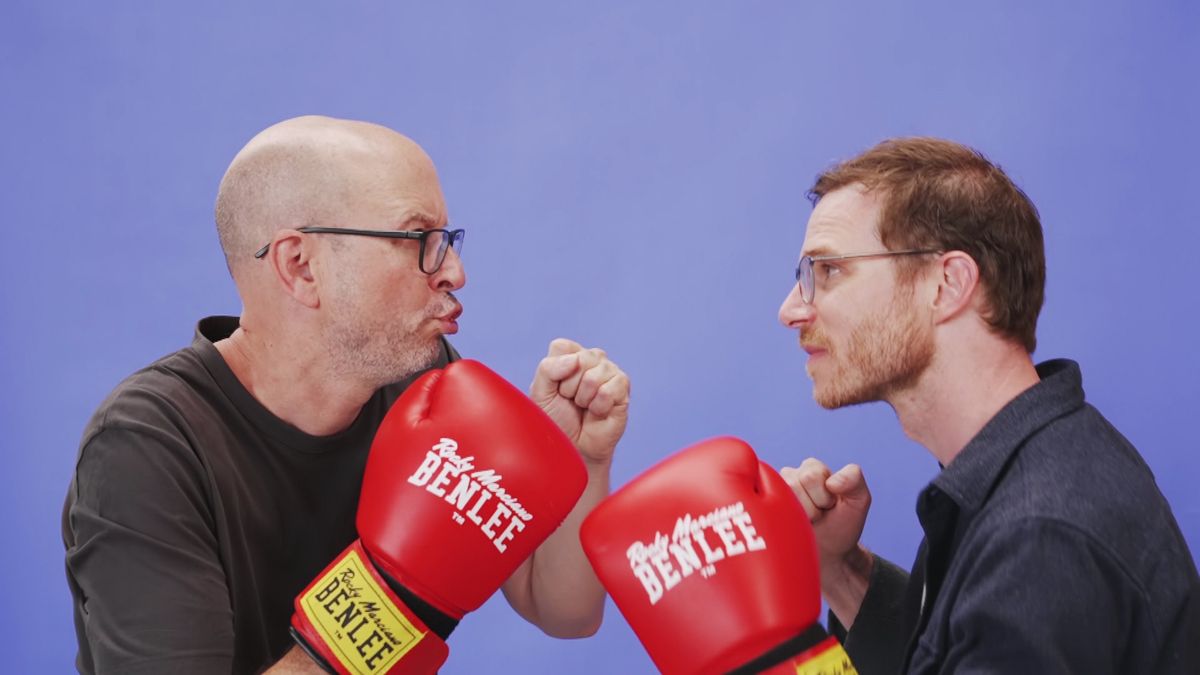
(833, 398)
(826, 401)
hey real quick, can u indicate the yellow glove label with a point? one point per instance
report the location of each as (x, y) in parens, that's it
(831, 661)
(358, 621)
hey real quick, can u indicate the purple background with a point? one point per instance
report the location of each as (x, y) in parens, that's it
(632, 176)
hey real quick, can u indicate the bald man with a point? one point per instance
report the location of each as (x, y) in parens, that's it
(214, 484)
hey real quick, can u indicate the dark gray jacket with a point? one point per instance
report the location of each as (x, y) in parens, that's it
(1048, 549)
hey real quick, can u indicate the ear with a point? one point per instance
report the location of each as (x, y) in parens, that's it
(957, 285)
(290, 257)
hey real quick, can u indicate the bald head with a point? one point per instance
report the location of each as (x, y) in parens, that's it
(310, 171)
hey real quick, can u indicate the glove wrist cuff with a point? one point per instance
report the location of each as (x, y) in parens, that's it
(350, 617)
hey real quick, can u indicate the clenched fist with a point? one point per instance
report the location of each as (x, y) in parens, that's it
(586, 394)
(837, 505)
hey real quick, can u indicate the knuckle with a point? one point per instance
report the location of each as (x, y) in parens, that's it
(563, 346)
(812, 464)
(812, 478)
(621, 382)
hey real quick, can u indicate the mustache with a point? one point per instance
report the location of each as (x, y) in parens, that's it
(814, 340)
(448, 304)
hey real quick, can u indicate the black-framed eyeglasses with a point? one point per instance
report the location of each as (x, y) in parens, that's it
(806, 277)
(434, 243)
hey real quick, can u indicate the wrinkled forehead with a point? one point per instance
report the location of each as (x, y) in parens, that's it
(399, 184)
(844, 221)
(411, 198)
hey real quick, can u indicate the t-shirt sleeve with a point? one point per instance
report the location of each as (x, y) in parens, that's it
(142, 557)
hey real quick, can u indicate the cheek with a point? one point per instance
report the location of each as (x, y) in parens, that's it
(856, 324)
(403, 288)
(843, 320)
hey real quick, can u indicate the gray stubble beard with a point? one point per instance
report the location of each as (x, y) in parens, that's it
(379, 355)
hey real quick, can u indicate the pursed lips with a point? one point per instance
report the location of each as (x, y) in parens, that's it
(447, 319)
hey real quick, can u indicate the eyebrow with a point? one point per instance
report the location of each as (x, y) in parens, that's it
(420, 218)
(817, 252)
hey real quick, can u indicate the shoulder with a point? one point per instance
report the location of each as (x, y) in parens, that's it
(144, 428)
(157, 396)
(1080, 471)
(1080, 475)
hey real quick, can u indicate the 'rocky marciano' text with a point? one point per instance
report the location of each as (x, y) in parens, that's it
(500, 521)
(695, 545)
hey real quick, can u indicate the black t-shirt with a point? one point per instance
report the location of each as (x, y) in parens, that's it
(195, 516)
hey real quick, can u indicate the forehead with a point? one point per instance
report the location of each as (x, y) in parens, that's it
(844, 221)
(404, 192)
(418, 204)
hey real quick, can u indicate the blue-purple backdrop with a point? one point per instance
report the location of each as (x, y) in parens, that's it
(632, 175)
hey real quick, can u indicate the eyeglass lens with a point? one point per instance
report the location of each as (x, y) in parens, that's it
(804, 275)
(434, 248)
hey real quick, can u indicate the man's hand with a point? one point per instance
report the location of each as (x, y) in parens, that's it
(586, 394)
(837, 506)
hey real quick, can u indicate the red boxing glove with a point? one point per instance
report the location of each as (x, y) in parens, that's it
(712, 561)
(466, 477)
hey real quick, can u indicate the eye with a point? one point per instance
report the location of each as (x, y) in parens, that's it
(825, 270)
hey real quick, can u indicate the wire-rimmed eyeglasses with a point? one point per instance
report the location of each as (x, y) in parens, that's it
(807, 278)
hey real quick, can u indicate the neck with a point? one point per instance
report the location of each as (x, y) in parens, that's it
(292, 381)
(960, 392)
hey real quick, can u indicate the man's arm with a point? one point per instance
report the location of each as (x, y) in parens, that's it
(150, 592)
(295, 662)
(837, 505)
(884, 620)
(587, 395)
(556, 589)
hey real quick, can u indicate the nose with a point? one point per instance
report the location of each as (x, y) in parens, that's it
(451, 276)
(795, 312)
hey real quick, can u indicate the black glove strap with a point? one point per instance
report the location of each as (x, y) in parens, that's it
(784, 651)
(440, 623)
